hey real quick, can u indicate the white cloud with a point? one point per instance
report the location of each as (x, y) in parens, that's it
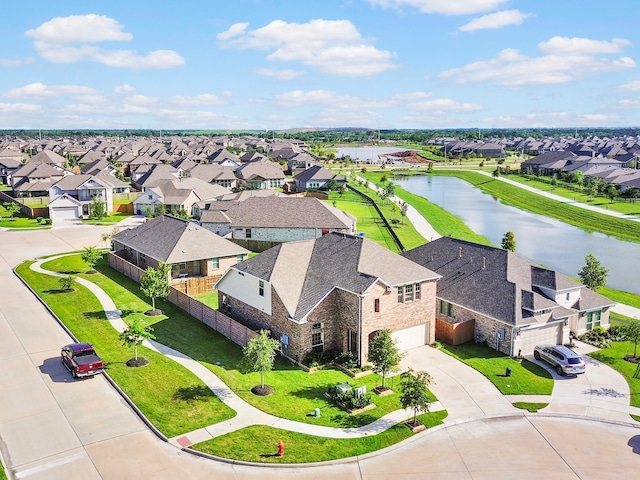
(279, 74)
(445, 7)
(141, 100)
(495, 20)
(551, 119)
(582, 46)
(234, 30)
(633, 86)
(443, 105)
(334, 47)
(14, 63)
(41, 91)
(79, 29)
(124, 88)
(198, 100)
(19, 108)
(565, 62)
(72, 39)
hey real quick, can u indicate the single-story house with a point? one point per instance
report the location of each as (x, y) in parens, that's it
(333, 292)
(190, 249)
(495, 296)
(316, 177)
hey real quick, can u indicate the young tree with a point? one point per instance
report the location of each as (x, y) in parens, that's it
(66, 282)
(415, 392)
(593, 275)
(154, 283)
(12, 208)
(260, 354)
(90, 256)
(98, 210)
(509, 242)
(612, 192)
(383, 353)
(136, 333)
(404, 207)
(631, 332)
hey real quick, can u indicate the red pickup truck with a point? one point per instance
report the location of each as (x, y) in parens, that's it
(81, 360)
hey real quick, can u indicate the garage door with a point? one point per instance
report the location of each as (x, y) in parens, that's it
(547, 335)
(411, 337)
(64, 215)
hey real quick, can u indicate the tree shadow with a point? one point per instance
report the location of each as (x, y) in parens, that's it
(195, 393)
(97, 315)
(634, 443)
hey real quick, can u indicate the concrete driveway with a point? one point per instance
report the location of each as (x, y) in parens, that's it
(53, 427)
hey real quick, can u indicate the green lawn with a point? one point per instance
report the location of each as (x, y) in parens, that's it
(297, 393)
(530, 406)
(19, 220)
(173, 399)
(258, 443)
(526, 378)
(614, 357)
(109, 219)
(210, 299)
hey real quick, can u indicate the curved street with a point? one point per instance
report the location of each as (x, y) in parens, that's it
(49, 429)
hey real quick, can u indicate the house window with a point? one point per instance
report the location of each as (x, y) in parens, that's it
(247, 233)
(593, 319)
(408, 293)
(317, 340)
(182, 266)
(352, 340)
(261, 288)
(143, 258)
(239, 257)
(376, 304)
(568, 296)
(215, 263)
(446, 308)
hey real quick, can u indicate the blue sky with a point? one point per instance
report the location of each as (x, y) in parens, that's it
(267, 64)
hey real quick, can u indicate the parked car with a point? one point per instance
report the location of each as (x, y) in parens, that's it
(565, 360)
(81, 360)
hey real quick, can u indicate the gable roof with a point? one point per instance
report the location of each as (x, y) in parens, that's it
(317, 172)
(305, 272)
(264, 169)
(175, 240)
(495, 282)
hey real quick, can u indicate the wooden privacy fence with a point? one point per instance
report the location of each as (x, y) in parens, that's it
(227, 326)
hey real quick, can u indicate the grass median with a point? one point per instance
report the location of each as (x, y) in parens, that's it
(614, 357)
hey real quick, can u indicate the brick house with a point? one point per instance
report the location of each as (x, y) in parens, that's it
(333, 292)
(191, 250)
(494, 295)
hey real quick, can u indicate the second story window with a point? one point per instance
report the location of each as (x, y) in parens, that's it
(376, 304)
(215, 262)
(261, 288)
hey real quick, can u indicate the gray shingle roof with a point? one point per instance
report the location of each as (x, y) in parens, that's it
(303, 273)
(176, 240)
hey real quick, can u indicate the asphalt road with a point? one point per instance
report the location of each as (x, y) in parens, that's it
(54, 427)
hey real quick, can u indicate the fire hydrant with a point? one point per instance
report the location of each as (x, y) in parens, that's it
(280, 448)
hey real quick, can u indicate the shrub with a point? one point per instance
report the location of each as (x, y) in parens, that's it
(347, 360)
(349, 400)
(47, 221)
(39, 219)
(596, 337)
(318, 359)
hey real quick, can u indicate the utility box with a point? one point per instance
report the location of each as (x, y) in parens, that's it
(507, 372)
(343, 388)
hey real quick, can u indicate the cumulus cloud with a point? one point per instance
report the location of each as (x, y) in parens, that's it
(443, 105)
(279, 74)
(19, 108)
(73, 39)
(566, 60)
(495, 20)
(41, 91)
(551, 119)
(334, 47)
(198, 100)
(444, 7)
(124, 88)
(633, 86)
(14, 63)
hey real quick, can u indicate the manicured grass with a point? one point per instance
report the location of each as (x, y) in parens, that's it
(3, 475)
(369, 221)
(258, 443)
(614, 357)
(620, 296)
(210, 299)
(442, 221)
(526, 378)
(19, 220)
(109, 219)
(173, 399)
(297, 393)
(530, 406)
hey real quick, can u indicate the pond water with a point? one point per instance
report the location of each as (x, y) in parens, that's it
(546, 241)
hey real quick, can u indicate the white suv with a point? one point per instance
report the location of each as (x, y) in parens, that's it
(562, 358)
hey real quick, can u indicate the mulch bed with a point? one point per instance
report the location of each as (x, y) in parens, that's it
(262, 391)
(139, 362)
(153, 313)
(632, 359)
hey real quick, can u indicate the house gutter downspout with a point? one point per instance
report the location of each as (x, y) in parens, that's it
(360, 356)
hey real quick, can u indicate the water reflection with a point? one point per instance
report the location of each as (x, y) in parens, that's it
(544, 240)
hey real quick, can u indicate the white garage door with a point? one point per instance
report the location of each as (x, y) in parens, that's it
(62, 215)
(547, 335)
(411, 337)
